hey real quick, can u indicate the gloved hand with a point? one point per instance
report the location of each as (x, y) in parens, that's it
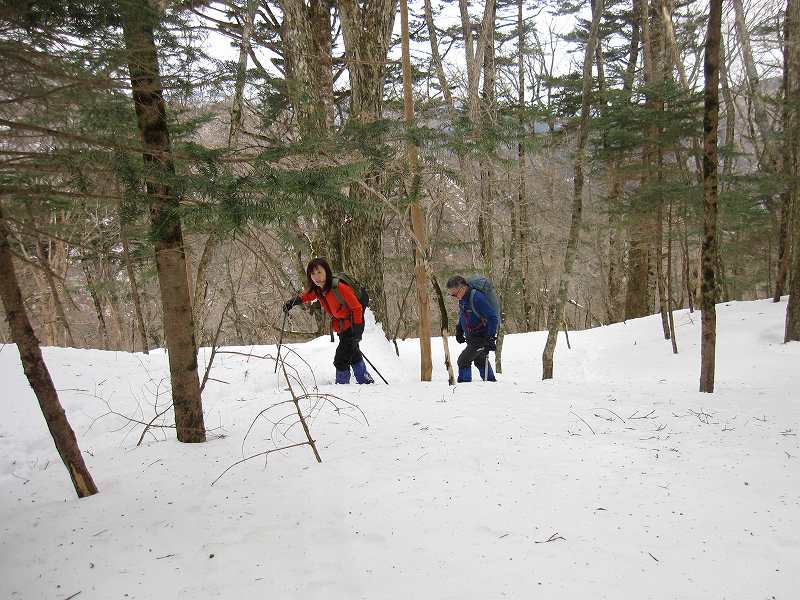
(291, 303)
(358, 331)
(490, 345)
(460, 334)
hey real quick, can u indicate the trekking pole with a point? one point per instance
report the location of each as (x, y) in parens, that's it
(280, 340)
(369, 362)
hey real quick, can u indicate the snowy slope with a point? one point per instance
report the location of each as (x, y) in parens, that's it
(644, 487)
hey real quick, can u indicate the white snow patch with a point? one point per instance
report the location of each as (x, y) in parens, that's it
(645, 487)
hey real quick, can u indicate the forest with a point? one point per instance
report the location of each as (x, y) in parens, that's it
(169, 168)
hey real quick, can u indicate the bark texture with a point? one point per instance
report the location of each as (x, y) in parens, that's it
(367, 35)
(131, 271)
(708, 335)
(416, 211)
(792, 40)
(165, 225)
(522, 196)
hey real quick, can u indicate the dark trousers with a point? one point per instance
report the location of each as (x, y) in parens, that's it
(347, 352)
(473, 353)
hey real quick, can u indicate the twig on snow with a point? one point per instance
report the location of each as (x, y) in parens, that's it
(612, 412)
(641, 416)
(582, 419)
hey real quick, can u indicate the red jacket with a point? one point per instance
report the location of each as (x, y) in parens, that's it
(342, 315)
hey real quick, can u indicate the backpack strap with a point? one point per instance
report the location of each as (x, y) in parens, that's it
(337, 293)
(335, 289)
(472, 304)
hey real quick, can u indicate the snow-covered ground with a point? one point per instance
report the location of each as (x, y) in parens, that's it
(615, 480)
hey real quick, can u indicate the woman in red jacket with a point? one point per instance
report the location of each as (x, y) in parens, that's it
(347, 318)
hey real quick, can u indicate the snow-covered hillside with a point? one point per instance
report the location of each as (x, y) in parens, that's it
(615, 480)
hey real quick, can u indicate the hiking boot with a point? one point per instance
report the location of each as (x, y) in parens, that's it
(464, 374)
(487, 374)
(343, 376)
(361, 373)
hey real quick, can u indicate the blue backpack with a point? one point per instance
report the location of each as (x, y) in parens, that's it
(485, 287)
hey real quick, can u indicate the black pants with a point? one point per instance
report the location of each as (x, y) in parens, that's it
(473, 353)
(347, 352)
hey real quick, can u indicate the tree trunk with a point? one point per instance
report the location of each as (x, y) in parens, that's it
(669, 280)
(710, 184)
(792, 104)
(444, 328)
(241, 73)
(559, 300)
(116, 315)
(91, 286)
(437, 62)
(417, 213)
(306, 34)
(43, 257)
(762, 116)
(616, 237)
(207, 256)
(790, 123)
(367, 35)
(137, 304)
(523, 227)
(36, 371)
(138, 26)
(474, 55)
(487, 171)
(662, 71)
(730, 116)
(637, 296)
(237, 116)
(302, 71)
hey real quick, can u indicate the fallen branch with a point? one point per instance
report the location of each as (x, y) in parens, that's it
(582, 419)
(612, 412)
(153, 420)
(647, 416)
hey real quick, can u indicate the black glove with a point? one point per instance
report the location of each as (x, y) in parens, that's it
(291, 303)
(460, 334)
(358, 331)
(490, 345)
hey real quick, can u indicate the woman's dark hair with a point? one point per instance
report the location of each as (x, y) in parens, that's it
(456, 281)
(310, 285)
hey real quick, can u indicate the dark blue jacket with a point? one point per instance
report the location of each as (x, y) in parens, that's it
(482, 324)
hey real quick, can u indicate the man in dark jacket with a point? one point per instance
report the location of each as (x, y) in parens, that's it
(477, 325)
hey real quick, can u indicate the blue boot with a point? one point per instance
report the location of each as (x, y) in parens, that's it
(361, 373)
(464, 374)
(342, 376)
(487, 374)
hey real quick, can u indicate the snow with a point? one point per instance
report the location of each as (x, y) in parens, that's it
(644, 487)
